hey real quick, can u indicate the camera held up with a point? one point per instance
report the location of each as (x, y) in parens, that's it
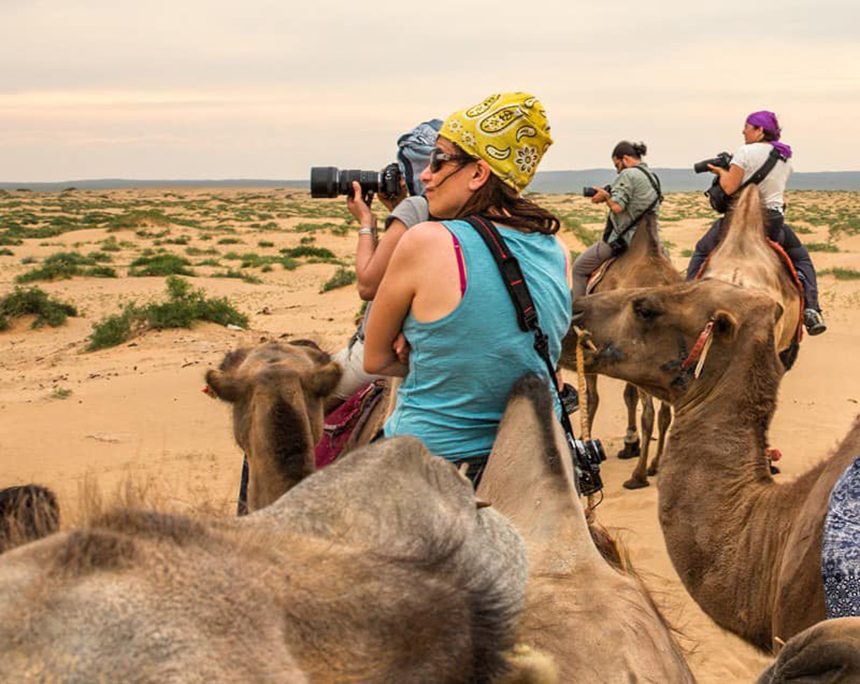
(722, 160)
(329, 181)
(588, 191)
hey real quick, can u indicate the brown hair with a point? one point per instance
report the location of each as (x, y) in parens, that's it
(629, 149)
(498, 201)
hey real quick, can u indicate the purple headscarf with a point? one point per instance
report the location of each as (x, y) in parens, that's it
(767, 120)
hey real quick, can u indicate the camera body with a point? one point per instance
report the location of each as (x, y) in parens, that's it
(722, 160)
(329, 181)
(589, 191)
(588, 454)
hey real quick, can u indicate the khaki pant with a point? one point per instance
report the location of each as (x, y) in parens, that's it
(351, 359)
(587, 263)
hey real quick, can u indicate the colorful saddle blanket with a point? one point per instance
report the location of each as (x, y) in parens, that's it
(346, 421)
(840, 546)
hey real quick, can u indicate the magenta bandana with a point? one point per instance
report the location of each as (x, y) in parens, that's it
(768, 121)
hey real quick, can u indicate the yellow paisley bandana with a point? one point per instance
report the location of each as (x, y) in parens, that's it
(509, 131)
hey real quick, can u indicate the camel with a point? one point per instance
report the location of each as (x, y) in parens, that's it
(597, 623)
(380, 567)
(745, 258)
(826, 653)
(642, 265)
(279, 392)
(746, 548)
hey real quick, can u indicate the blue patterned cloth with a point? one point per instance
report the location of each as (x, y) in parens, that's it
(840, 546)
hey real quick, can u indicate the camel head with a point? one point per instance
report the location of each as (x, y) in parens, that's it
(829, 651)
(675, 342)
(278, 393)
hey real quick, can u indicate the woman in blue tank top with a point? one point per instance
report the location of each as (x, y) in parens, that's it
(442, 317)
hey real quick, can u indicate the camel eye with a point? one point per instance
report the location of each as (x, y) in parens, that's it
(644, 312)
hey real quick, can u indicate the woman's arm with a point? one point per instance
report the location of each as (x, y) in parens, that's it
(390, 307)
(730, 180)
(370, 263)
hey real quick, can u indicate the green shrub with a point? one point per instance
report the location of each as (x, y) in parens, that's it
(306, 251)
(340, 278)
(21, 302)
(209, 262)
(289, 263)
(686, 253)
(64, 265)
(265, 243)
(247, 277)
(821, 247)
(110, 245)
(229, 241)
(183, 306)
(160, 265)
(841, 273)
(6, 252)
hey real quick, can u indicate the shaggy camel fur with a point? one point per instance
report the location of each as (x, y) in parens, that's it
(378, 568)
(744, 258)
(644, 264)
(597, 623)
(826, 653)
(27, 513)
(747, 549)
(279, 393)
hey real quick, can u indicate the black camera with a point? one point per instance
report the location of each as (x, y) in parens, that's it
(329, 181)
(588, 454)
(722, 160)
(588, 191)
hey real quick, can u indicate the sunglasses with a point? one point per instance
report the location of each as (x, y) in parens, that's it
(439, 158)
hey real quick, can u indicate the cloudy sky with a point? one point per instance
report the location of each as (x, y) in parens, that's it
(267, 88)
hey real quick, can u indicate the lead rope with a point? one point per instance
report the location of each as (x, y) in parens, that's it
(582, 338)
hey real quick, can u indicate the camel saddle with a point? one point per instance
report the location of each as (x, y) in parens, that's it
(597, 276)
(346, 422)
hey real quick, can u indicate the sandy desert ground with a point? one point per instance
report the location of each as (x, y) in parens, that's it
(136, 411)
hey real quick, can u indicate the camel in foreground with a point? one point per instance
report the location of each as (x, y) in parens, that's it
(598, 623)
(826, 653)
(378, 568)
(644, 264)
(747, 549)
(279, 393)
(745, 258)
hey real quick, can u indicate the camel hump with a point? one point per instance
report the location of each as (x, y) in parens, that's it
(746, 222)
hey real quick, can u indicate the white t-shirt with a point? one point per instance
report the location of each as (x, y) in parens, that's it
(751, 158)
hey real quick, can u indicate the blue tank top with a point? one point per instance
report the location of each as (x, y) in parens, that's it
(462, 366)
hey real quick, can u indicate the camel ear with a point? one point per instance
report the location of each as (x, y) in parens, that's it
(324, 379)
(725, 326)
(779, 310)
(226, 387)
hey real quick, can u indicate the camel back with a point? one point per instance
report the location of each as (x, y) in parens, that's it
(644, 264)
(744, 257)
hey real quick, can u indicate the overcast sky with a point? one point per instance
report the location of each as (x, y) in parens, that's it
(267, 88)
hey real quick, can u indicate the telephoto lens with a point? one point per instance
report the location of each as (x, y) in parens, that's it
(324, 181)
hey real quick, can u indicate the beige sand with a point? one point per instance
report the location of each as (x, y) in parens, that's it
(137, 411)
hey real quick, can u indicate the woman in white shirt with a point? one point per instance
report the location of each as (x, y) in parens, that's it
(761, 136)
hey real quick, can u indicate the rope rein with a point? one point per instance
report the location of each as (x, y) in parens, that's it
(583, 339)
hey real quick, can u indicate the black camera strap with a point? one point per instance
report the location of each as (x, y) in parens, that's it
(764, 170)
(655, 183)
(527, 318)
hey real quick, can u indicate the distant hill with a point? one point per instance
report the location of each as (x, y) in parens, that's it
(685, 180)
(673, 180)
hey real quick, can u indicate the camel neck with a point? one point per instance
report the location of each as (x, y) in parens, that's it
(721, 511)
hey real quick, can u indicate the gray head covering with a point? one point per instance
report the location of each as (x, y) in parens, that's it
(413, 153)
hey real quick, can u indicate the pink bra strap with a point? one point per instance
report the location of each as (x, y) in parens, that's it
(460, 267)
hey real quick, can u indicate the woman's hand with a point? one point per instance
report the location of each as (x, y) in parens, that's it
(600, 195)
(358, 208)
(402, 348)
(731, 179)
